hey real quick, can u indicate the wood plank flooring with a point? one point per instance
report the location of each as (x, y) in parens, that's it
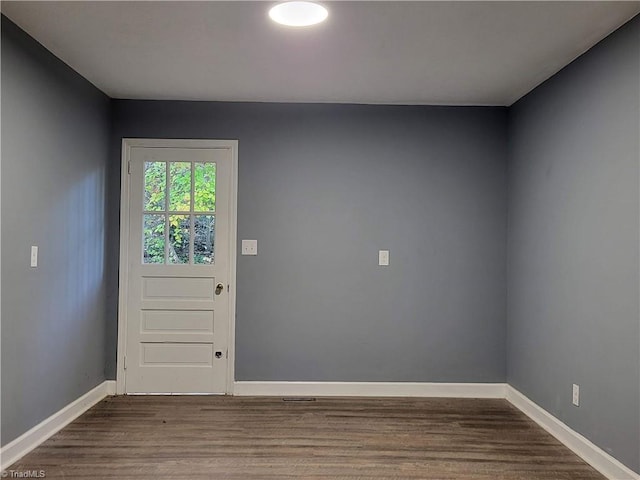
(200, 437)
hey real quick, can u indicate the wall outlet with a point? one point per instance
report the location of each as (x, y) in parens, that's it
(576, 395)
(383, 257)
(249, 247)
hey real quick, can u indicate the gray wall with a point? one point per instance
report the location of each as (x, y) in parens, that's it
(323, 188)
(55, 140)
(573, 245)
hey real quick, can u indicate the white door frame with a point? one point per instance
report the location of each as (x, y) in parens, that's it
(127, 144)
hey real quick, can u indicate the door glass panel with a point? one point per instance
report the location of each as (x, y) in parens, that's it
(155, 183)
(203, 241)
(180, 186)
(205, 187)
(153, 226)
(179, 234)
(170, 207)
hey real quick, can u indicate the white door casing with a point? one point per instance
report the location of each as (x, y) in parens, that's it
(176, 321)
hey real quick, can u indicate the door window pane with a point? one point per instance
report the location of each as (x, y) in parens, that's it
(173, 233)
(179, 233)
(203, 241)
(153, 229)
(180, 186)
(155, 183)
(205, 187)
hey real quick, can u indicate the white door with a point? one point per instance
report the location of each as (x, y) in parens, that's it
(178, 269)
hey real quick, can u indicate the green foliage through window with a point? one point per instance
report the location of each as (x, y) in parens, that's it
(169, 205)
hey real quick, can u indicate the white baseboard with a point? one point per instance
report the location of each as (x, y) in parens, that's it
(111, 387)
(370, 389)
(590, 453)
(29, 440)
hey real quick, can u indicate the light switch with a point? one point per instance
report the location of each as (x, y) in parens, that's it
(249, 247)
(34, 256)
(383, 257)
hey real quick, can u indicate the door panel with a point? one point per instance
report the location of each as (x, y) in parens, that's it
(171, 321)
(174, 287)
(177, 319)
(177, 354)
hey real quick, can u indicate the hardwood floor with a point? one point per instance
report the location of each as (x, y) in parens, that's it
(198, 437)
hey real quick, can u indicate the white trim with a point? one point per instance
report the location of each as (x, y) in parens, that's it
(123, 280)
(111, 387)
(370, 389)
(581, 446)
(127, 143)
(18, 448)
(233, 235)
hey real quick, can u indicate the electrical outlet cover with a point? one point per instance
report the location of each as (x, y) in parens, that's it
(249, 247)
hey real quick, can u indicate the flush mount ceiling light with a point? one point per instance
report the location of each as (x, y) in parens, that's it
(298, 14)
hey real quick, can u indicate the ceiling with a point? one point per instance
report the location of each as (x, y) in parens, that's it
(455, 53)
